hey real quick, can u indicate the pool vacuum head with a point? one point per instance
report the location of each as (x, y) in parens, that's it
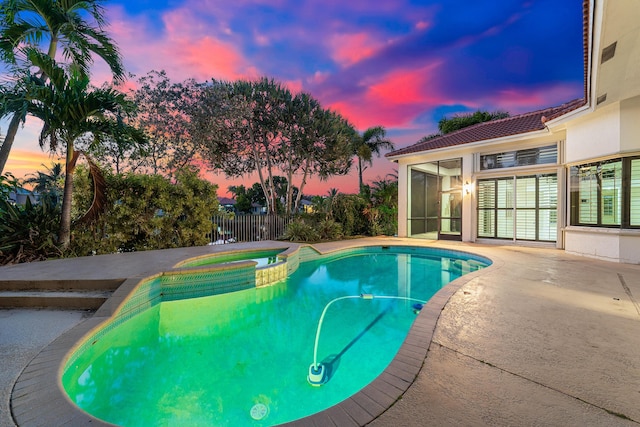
(317, 375)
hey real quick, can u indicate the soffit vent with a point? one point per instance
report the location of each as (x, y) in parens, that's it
(608, 52)
(601, 99)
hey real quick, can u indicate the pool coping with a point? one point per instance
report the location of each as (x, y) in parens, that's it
(37, 394)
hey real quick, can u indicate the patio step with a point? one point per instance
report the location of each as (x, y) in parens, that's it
(70, 300)
(60, 285)
(58, 294)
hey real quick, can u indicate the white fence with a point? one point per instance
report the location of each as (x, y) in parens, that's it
(248, 228)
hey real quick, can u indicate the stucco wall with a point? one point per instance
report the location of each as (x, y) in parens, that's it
(595, 135)
(607, 244)
(630, 124)
(403, 190)
(601, 245)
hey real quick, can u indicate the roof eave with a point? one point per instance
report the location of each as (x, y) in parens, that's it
(563, 119)
(484, 142)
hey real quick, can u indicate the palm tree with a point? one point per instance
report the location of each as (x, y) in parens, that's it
(70, 110)
(62, 22)
(371, 142)
(384, 192)
(48, 183)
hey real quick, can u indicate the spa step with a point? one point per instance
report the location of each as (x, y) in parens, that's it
(72, 300)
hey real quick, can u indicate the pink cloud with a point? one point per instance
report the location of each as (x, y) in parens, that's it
(186, 47)
(522, 100)
(295, 86)
(351, 48)
(318, 77)
(394, 101)
(422, 25)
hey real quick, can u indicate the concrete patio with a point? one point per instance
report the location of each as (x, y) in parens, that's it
(538, 338)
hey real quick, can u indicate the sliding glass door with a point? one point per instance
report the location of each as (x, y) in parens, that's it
(435, 200)
(518, 208)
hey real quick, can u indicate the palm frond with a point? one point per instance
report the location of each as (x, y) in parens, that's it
(99, 193)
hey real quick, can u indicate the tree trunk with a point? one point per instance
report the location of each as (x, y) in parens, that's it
(64, 237)
(256, 158)
(8, 141)
(272, 185)
(360, 173)
(288, 209)
(296, 206)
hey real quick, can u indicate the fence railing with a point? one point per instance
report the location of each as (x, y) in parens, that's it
(248, 228)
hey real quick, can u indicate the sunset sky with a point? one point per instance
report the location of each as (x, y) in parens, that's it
(400, 64)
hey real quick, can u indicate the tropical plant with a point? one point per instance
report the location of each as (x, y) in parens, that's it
(76, 25)
(328, 229)
(48, 184)
(300, 231)
(317, 143)
(383, 209)
(8, 183)
(372, 141)
(347, 210)
(29, 232)
(70, 109)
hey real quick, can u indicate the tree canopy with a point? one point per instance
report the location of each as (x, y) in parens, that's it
(261, 127)
(70, 109)
(76, 25)
(460, 121)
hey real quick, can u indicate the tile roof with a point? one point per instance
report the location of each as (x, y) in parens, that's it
(514, 125)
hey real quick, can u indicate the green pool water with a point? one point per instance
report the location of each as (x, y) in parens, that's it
(241, 359)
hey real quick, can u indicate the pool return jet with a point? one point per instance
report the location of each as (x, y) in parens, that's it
(317, 371)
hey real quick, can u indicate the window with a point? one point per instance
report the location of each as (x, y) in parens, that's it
(522, 208)
(526, 157)
(606, 194)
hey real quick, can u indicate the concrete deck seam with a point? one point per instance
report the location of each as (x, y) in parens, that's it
(628, 292)
(484, 362)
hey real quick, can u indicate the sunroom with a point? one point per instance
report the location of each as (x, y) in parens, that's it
(496, 181)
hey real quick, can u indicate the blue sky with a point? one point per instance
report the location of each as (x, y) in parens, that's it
(396, 63)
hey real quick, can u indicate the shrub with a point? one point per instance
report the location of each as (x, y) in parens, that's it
(29, 232)
(146, 212)
(348, 210)
(328, 229)
(300, 231)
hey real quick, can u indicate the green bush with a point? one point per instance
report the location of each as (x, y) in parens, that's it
(328, 229)
(29, 232)
(348, 209)
(146, 212)
(300, 231)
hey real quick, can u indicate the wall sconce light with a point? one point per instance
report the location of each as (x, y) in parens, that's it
(467, 187)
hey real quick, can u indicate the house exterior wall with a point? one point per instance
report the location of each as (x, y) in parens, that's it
(469, 154)
(404, 165)
(630, 125)
(594, 135)
(610, 132)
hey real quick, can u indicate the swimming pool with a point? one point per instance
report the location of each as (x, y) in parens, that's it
(242, 358)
